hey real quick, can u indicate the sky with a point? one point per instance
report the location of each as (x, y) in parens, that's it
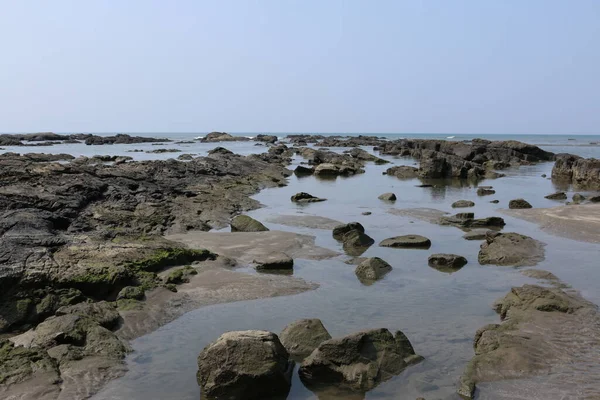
(435, 66)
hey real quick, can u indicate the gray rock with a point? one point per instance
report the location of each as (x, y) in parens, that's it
(510, 249)
(274, 261)
(387, 197)
(356, 243)
(578, 198)
(481, 191)
(519, 203)
(403, 172)
(557, 196)
(367, 213)
(463, 204)
(244, 223)
(327, 169)
(407, 241)
(358, 362)
(340, 230)
(302, 337)
(476, 234)
(304, 197)
(447, 262)
(372, 269)
(245, 365)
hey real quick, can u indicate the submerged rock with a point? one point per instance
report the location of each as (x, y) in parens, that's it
(245, 365)
(510, 249)
(304, 197)
(407, 241)
(358, 362)
(302, 337)
(463, 204)
(446, 262)
(274, 261)
(356, 242)
(372, 269)
(557, 196)
(244, 223)
(387, 197)
(519, 203)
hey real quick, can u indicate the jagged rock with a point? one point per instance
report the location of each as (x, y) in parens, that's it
(407, 241)
(302, 337)
(387, 197)
(244, 223)
(19, 364)
(274, 261)
(557, 196)
(340, 230)
(519, 203)
(463, 204)
(583, 173)
(358, 362)
(372, 269)
(303, 197)
(510, 249)
(245, 365)
(447, 262)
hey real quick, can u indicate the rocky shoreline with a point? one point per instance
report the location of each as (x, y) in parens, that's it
(91, 251)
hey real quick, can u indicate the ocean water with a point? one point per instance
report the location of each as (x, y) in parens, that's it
(439, 312)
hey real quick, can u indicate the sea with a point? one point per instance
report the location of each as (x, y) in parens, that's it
(439, 312)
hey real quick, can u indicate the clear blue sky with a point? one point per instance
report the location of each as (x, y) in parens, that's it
(479, 66)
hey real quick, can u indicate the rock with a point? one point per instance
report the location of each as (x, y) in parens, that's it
(303, 171)
(121, 139)
(302, 337)
(595, 199)
(484, 192)
(274, 261)
(519, 203)
(303, 197)
(160, 151)
(104, 313)
(327, 169)
(583, 173)
(510, 249)
(358, 362)
(578, 198)
(266, 138)
(244, 223)
(495, 201)
(185, 157)
(131, 293)
(463, 204)
(220, 150)
(180, 275)
(387, 197)
(245, 365)
(340, 230)
(407, 241)
(366, 213)
(364, 155)
(544, 175)
(468, 220)
(356, 243)
(403, 172)
(19, 364)
(477, 234)
(372, 269)
(222, 137)
(557, 196)
(447, 262)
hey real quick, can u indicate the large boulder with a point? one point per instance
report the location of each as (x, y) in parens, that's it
(302, 337)
(304, 171)
(222, 137)
(407, 241)
(446, 262)
(244, 223)
(327, 169)
(519, 203)
(372, 269)
(358, 362)
(304, 197)
(266, 138)
(510, 249)
(249, 365)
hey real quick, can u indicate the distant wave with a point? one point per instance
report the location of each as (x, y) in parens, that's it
(250, 137)
(199, 137)
(450, 137)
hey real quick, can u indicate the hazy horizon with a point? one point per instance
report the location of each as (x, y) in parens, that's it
(387, 67)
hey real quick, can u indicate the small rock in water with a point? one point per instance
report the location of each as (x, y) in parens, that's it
(302, 337)
(447, 262)
(372, 269)
(519, 203)
(557, 196)
(340, 230)
(367, 213)
(407, 241)
(476, 234)
(244, 223)
(387, 197)
(274, 261)
(495, 201)
(544, 175)
(481, 191)
(462, 204)
(356, 242)
(303, 171)
(304, 197)
(578, 198)
(425, 185)
(245, 365)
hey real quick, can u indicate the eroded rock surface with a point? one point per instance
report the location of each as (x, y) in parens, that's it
(510, 249)
(302, 337)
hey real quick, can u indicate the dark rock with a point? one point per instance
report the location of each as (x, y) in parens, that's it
(519, 203)
(340, 230)
(303, 171)
(403, 172)
(274, 261)
(104, 313)
(468, 220)
(583, 173)
(447, 262)
(578, 198)
(131, 293)
(303, 197)
(495, 201)
(366, 213)
(160, 151)
(356, 243)
(222, 137)
(557, 196)
(244, 223)
(387, 197)
(245, 365)
(372, 269)
(463, 204)
(220, 150)
(121, 139)
(266, 138)
(510, 249)
(358, 362)
(484, 192)
(407, 241)
(595, 199)
(302, 337)
(185, 157)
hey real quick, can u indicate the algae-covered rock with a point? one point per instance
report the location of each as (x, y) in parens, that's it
(244, 223)
(18, 364)
(181, 275)
(104, 313)
(131, 292)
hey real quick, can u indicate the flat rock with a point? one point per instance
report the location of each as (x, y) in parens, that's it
(302, 337)
(476, 234)
(303, 197)
(407, 241)
(447, 262)
(519, 203)
(274, 261)
(305, 221)
(244, 223)
(557, 196)
(403, 172)
(372, 269)
(463, 204)
(510, 249)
